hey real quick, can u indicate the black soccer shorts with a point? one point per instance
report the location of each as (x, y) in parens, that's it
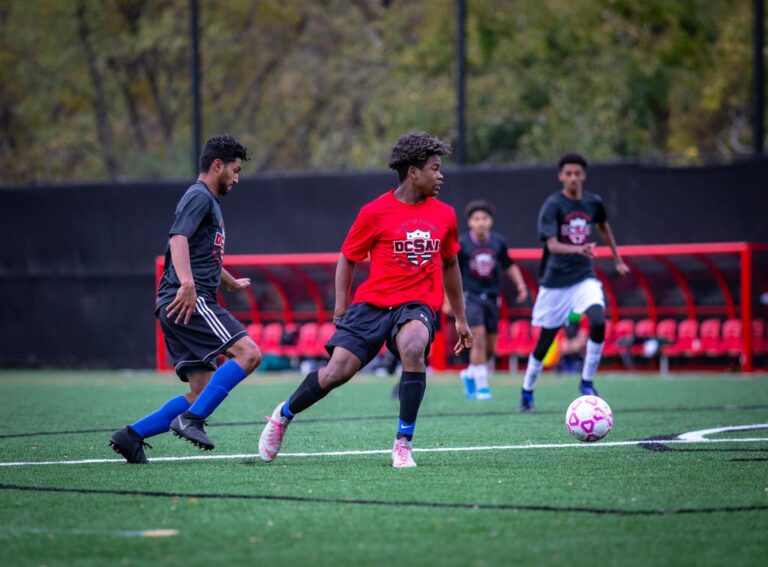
(482, 311)
(364, 328)
(211, 331)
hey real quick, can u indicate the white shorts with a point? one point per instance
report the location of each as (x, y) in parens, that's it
(553, 304)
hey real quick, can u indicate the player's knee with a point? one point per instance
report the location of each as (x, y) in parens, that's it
(412, 353)
(478, 342)
(336, 374)
(596, 315)
(247, 353)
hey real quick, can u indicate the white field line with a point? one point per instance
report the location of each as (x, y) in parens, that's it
(701, 435)
(387, 451)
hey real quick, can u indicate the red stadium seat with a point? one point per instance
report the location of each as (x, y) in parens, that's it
(305, 345)
(624, 328)
(521, 337)
(759, 340)
(504, 345)
(254, 331)
(731, 342)
(688, 342)
(271, 336)
(609, 332)
(667, 329)
(644, 329)
(323, 336)
(709, 334)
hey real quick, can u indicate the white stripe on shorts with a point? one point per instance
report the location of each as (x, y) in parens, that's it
(216, 326)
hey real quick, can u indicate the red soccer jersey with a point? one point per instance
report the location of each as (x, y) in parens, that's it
(407, 244)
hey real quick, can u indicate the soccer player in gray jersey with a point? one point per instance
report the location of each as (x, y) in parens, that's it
(197, 329)
(568, 281)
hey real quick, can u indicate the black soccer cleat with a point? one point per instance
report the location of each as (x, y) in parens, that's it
(526, 402)
(130, 445)
(190, 427)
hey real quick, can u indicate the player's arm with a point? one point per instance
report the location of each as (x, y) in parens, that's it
(183, 305)
(516, 276)
(455, 293)
(607, 235)
(556, 247)
(232, 283)
(345, 272)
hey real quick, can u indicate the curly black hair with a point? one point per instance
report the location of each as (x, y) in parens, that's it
(573, 158)
(414, 149)
(223, 147)
(479, 205)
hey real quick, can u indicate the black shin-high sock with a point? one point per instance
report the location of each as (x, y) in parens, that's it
(412, 386)
(308, 393)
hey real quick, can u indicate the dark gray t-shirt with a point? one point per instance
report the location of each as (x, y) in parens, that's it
(198, 217)
(480, 263)
(572, 222)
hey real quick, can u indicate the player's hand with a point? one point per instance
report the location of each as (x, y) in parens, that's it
(522, 294)
(338, 313)
(183, 305)
(622, 268)
(239, 283)
(465, 337)
(588, 250)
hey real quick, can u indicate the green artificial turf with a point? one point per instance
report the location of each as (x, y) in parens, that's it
(679, 504)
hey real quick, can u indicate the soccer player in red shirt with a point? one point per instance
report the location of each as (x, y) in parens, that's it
(412, 240)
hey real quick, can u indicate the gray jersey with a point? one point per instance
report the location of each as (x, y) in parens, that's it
(571, 222)
(198, 217)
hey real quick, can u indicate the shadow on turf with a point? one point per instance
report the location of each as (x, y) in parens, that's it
(389, 417)
(389, 503)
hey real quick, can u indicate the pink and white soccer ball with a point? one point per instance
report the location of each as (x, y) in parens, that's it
(589, 418)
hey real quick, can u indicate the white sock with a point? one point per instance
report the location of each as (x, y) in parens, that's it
(469, 371)
(532, 372)
(481, 376)
(591, 360)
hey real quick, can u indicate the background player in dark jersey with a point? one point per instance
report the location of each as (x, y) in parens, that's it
(482, 256)
(196, 328)
(568, 280)
(412, 240)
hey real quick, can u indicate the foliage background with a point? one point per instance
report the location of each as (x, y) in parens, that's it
(99, 89)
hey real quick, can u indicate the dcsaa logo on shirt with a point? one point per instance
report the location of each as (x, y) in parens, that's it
(578, 228)
(482, 264)
(418, 246)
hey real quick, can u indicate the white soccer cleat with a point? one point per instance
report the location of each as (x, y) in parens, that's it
(401, 454)
(272, 436)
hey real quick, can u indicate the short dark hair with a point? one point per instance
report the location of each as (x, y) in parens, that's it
(415, 148)
(578, 159)
(223, 147)
(479, 205)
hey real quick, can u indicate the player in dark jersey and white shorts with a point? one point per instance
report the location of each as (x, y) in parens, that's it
(482, 257)
(412, 240)
(197, 329)
(568, 281)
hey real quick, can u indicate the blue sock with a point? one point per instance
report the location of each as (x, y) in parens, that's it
(405, 429)
(286, 411)
(224, 379)
(160, 421)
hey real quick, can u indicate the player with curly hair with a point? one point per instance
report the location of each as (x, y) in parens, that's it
(412, 240)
